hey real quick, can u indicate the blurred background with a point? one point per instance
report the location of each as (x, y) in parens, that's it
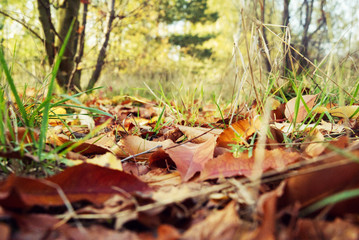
(196, 48)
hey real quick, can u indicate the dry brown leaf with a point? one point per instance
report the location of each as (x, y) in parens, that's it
(319, 229)
(160, 159)
(302, 112)
(222, 224)
(191, 158)
(97, 145)
(42, 226)
(194, 132)
(316, 142)
(267, 209)
(135, 145)
(315, 185)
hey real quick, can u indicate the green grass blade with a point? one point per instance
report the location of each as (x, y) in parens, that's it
(11, 83)
(220, 112)
(335, 198)
(159, 120)
(47, 102)
(2, 117)
(355, 94)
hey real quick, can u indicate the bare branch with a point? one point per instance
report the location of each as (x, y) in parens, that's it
(102, 55)
(23, 24)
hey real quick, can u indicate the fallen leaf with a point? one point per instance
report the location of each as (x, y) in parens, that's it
(238, 132)
(227, 165)
(83, 182)
(98, 145)
(75, 156)
(161, 178)
(106, 160)
(308, 188)
(277, 113)
(134, 168)
(191, 158)
(221, 224)
(54, 118)
(42, 226)
(167, 232)
(319, 229)
(5, 231)
(267, 208)
(22, 135)
(135, 145)
(345, 111)
(320, 109)
(160, 159)
(198, 134)
(302, 112)
(316, 142)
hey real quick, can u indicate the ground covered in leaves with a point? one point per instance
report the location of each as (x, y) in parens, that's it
(152, 171)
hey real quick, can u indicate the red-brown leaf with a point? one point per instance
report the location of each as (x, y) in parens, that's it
(226, 165)
(83, 182)
(305, 189)
(191, 158)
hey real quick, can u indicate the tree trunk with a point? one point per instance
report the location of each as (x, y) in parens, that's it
(68, 11)
(76, 73)
(286, 46)
(102, 55)
(264, 44)
(45, 19)
(303, 49)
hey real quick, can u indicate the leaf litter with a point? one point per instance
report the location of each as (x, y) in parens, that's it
(142, 176)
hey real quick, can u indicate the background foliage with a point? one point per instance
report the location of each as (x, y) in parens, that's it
(203, 44)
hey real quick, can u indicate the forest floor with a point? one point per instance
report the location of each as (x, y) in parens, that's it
(154, 170)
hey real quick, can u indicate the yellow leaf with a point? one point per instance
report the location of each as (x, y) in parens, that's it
(345, 111)
(320, 110)
(275, 103)
(106, 160)
(54, 119)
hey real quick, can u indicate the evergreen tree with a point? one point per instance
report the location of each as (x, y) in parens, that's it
(195, 12)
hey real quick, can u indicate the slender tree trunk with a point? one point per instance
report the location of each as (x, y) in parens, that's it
(264, 34)
(305, 36)
(102, 55)
(45, 19)
(68, 11)
(286, 48)
(76, 73)
(308, 20)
